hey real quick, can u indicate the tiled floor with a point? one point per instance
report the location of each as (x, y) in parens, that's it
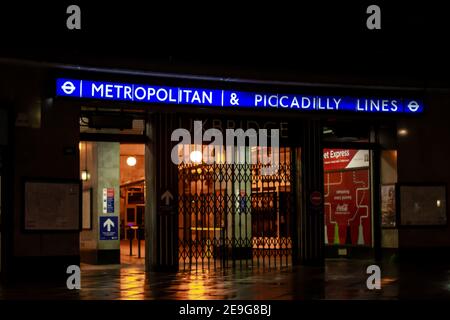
(339, 279)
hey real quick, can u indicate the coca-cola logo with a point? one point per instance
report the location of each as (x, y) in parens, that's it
(342, 207)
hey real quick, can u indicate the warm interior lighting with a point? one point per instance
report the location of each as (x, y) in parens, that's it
(438, 203)
(402, 132)
(131, 161)
(196, 156)
(85, 175)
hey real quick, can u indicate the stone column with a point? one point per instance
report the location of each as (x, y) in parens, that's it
(108, 177)
(162, 195)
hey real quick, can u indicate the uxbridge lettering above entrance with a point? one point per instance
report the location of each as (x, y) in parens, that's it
(235, 149)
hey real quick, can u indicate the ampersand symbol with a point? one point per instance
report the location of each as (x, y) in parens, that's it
(234, 99)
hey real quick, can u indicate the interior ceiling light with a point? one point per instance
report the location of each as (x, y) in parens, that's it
(85, 175)
(196, 156)
(131, 161)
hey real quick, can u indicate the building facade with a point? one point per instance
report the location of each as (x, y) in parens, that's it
(364, 181)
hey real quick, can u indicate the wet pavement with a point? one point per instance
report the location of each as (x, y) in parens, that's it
(339, 279)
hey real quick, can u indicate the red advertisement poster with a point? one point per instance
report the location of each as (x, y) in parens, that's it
(347, 208)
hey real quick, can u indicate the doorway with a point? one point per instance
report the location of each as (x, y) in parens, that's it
(113, 202)
(235, 214)
(351, 188)
(132, 203)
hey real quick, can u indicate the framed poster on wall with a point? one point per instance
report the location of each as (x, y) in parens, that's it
(52, 205)
(388, 207)
(422, 205)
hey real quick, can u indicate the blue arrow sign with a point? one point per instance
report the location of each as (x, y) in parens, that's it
(109, 227)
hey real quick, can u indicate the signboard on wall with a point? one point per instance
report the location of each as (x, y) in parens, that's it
(203, 97)
(316, 198)
(52, 205)
(347, 208)
(109, 228)
(108, 200)
(339, 159)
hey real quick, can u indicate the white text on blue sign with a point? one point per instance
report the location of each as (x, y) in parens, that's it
(102, 90)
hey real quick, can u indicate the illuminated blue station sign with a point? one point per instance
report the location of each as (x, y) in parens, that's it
(103, 90)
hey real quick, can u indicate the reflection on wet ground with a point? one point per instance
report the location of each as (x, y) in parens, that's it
(339, 279)
(126, 258)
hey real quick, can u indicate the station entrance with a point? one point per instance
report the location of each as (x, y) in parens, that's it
(201, 214)
(232, 214)
(112, 170)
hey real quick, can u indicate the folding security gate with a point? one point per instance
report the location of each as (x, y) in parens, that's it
(234, 215)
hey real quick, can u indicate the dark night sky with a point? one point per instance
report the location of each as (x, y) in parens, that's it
(309, 36)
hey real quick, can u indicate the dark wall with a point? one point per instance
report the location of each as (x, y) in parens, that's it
(43, 136)
(423, 157)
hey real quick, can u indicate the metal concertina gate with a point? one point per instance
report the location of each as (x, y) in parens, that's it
(232, 215)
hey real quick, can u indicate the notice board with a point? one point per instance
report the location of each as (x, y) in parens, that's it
(52, 206)
(423, 205)
(388, 206)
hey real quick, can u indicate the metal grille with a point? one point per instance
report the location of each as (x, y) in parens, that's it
(233, 215)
